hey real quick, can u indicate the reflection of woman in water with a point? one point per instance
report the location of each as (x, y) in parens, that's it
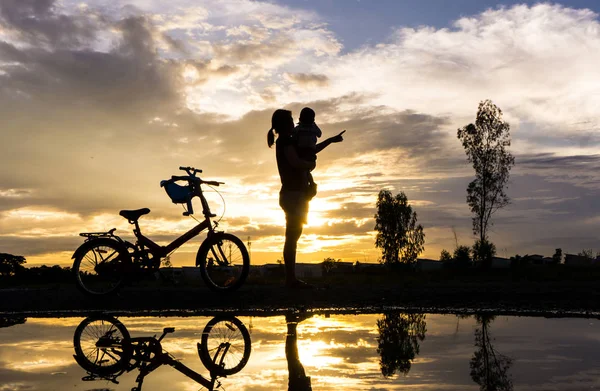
(293, 197)
(298, 381)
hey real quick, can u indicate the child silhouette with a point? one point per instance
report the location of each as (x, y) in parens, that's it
(307, 133)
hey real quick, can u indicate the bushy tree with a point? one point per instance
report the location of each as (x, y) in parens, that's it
(557, 257)
(462, 257)
(588, 253)
(329, 264)
(489, 368)
(483, 252)
(445, 256)
(398, 235)
(398, 341)
(11, 264)
(485, 144)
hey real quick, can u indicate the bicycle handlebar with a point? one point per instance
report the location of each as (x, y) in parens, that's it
(192, 178)
(188, 169)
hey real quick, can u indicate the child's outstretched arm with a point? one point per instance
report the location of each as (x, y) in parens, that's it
(335, 139)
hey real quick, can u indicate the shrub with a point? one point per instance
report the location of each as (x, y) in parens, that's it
(483, 252)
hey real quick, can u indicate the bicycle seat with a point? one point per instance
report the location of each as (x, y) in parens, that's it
(134, 215)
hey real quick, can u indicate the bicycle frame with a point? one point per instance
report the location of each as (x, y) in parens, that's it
(159, 251)
(143, 348)
(163, 358)
(105, 349)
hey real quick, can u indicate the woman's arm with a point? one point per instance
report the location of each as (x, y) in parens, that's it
(292, 157)
(335, 139)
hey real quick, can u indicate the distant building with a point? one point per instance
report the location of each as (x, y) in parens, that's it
(578, 260)
(309, 270)
(426, 265)
(370, 268)
(190, 272)
(343, 268)
(270, 269)
(181, 274)
(500, 263)
(537, 259)
(533, 260)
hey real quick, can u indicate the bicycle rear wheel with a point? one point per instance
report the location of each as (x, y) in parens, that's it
(226, 346)
(102, 345)
(224, 262)
(99, 266)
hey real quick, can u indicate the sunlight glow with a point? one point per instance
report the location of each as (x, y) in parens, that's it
(40, 214)
(314, 353)
(38, 365)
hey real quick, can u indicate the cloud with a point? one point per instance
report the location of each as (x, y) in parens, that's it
(36, 22)
(307, 80)
(537, 63)
(580, 170)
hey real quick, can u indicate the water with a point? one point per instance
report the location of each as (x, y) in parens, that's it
(391, 351)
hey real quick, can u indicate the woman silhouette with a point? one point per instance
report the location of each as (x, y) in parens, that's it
(297, 379)
(293, 197)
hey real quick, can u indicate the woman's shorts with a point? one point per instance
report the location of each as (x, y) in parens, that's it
(294, 204)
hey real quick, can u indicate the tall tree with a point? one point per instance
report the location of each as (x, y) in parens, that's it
(398, 341)
(489, 368)
(398, 235)
(485, 144)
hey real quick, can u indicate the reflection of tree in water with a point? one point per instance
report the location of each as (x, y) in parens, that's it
(489, 368)
(398, 341)
(7, 322)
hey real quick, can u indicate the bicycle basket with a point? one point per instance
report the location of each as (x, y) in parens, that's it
(178, 194)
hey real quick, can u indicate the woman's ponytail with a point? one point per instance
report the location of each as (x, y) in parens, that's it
(270, 137)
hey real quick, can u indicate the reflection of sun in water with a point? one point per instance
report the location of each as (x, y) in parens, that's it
(314, 353)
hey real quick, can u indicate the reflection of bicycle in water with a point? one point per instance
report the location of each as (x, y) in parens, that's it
(105, 261)
(104, 348)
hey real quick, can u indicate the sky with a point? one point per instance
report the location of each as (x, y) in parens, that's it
(101, 100)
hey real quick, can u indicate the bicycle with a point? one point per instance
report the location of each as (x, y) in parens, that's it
(104, 261)
(105, 350)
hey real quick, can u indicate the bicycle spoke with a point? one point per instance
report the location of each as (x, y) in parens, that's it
(107, 258)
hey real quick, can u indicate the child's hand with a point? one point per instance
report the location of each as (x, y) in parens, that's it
(338, 138)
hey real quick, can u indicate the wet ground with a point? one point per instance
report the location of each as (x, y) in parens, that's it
(538, 298)
(390, 350)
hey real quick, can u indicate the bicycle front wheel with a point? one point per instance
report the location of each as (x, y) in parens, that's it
(102, 345)
(224, 262)
(99, 266)
(225, 347)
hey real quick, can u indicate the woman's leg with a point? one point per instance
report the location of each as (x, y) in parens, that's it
(293, 230)
(295, 206)
(297, 379)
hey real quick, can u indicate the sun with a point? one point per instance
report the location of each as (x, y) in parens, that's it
(317, 212)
